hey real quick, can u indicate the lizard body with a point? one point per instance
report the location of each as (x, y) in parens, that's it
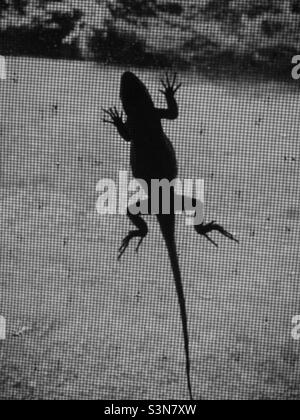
(152, 156)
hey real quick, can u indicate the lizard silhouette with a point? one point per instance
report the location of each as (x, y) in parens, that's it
(152, 156)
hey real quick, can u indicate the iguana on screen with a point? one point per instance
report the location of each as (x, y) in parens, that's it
(152, 156)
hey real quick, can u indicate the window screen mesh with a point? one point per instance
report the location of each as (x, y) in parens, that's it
(79, 323)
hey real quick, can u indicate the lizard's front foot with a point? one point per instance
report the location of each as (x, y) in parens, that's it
(170, 88)
(132, 234)
(116, 118)
(204, 229)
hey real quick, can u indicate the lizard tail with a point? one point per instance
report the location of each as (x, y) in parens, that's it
(172, 251)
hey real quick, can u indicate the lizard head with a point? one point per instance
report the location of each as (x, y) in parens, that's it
(134, 95)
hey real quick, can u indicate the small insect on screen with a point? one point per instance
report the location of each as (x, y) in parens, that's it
(149, 202)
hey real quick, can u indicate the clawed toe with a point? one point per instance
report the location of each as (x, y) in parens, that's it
(139, 244)
(230, 236)
(210, 240)
(123, 247)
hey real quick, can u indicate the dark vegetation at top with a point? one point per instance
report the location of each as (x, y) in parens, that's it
(257, 34)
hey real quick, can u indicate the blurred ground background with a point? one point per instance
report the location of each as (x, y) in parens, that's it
(82, 325)
(253, 35)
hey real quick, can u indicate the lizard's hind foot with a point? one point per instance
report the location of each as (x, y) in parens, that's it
(132, 234)
(204, 229)
(141, 232)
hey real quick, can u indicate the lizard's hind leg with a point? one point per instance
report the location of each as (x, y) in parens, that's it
(204, 228)
(140, 232)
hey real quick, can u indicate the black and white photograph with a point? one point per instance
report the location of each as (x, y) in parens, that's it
(149, 202)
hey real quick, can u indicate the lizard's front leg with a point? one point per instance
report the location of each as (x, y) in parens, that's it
(116, 119)
(169, 90)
